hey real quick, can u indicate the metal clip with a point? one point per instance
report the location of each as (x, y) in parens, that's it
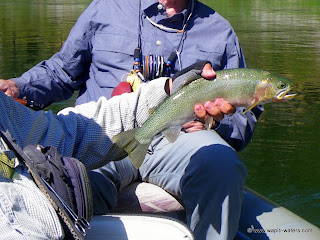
(81, 224)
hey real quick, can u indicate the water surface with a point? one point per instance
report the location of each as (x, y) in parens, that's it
(283, 157)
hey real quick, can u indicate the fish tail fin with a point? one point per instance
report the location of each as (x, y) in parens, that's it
(136, 151)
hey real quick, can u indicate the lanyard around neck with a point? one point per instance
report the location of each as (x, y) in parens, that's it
(174, 55)
(168, 29)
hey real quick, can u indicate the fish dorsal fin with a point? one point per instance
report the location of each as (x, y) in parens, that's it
(171, 134)
(188, 81)
(255, 103)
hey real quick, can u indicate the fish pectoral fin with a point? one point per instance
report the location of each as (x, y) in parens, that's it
(208, 122)
(255, 103)
(171, 134)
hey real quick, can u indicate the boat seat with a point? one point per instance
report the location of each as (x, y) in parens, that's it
(144, 211)
(141, 197)
(149, 200)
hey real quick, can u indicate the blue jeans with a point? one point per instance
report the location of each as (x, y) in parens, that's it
(200, 168)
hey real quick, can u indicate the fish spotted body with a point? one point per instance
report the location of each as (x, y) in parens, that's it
(240, 87)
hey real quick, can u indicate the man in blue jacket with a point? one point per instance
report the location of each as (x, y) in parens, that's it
(156, 38)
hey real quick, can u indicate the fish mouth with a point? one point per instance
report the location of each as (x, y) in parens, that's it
(285, 95)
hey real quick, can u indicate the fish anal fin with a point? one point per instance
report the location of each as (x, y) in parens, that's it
(138, 155)
(127, 142)
(171, 134)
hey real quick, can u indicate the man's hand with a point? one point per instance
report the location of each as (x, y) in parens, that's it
(208, 72)
(9, 87)
(216, 109)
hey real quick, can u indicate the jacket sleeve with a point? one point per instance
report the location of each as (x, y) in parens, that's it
(84, 131)
(237, 129)
(57, 78)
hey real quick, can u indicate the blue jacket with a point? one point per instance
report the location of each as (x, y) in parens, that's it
(99, 52)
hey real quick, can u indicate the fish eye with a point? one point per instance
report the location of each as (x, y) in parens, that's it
(281, 85)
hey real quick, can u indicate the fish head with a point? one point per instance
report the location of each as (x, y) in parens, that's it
(274, 88)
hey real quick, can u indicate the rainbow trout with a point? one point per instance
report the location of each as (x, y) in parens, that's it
(241, 87)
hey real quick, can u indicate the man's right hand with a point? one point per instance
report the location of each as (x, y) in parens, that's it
(9, 87)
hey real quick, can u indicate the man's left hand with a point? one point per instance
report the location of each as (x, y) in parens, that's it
(216, 109)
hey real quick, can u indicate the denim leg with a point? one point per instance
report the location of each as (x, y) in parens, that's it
(107, 181)
(212, 191)
(208, 176)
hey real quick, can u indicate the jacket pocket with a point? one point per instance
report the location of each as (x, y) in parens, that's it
(112, 56)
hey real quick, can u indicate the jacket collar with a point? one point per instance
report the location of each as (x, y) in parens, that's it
(150, 9)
